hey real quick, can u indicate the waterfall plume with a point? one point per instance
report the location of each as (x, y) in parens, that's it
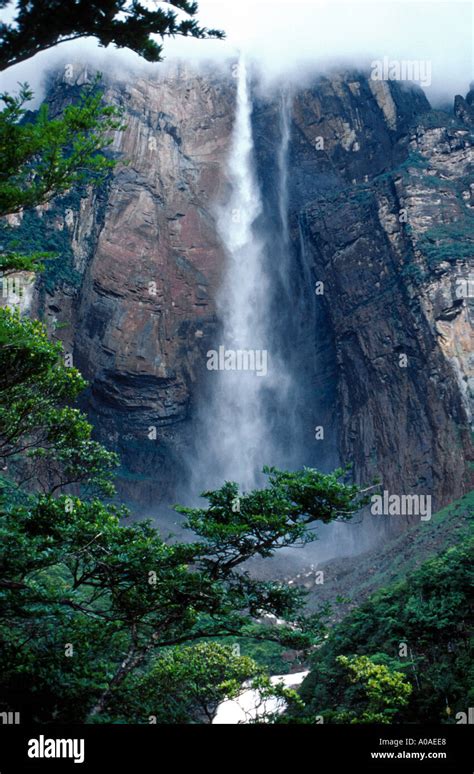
(236, 440)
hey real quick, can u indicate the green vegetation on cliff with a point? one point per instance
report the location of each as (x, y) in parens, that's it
(418, 631)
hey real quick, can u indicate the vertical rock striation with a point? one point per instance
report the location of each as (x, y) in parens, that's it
(389, 225)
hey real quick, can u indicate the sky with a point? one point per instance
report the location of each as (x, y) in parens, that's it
(296, 38)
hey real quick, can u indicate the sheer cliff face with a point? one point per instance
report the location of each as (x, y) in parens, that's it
(388, 224)
(149, 262)
(379, 211)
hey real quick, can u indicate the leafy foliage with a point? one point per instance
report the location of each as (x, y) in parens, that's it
(45, 157)
(386, 690)
(45, 441)
(428, 617)
(185, 684)
(41, 24)
(236, 526)
(72, 574)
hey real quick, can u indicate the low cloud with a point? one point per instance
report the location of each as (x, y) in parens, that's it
(291, 39)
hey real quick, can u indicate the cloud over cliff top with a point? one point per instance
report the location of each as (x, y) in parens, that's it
(290, 38)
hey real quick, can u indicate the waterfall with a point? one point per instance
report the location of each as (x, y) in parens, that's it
(285, 109)
(266, 304)
(269, 379)
(255, 408)
(245, 373)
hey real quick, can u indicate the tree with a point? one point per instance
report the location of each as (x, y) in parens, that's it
(428, 615)
(43, 440)
(72, 573)
(70, 568)
(386, 690)
(237, 526)
(44, 157)
(186, 684)
(68, 565)
(42, 24)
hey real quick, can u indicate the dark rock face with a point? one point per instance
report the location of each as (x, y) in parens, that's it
(464, 108)
(150, 261)
(379, 210)
(379, 188)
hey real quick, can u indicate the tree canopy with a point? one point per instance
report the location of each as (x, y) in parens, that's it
(43, 156)
(41, 24)
(404, 655)
(73, 574)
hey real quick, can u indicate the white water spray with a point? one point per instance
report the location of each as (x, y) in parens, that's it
(239, 440)
(285, 110)
(239, 423)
